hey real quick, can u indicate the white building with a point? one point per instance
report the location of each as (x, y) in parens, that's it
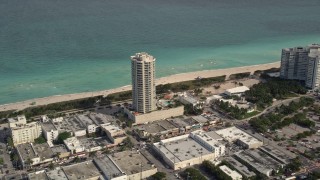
(19, 120)
(143, 82)
(185, 99)
(188, 150)
(114, 133)
(212, 143)
(23, 132)
(74, 145)
(236, 91)
(49, 131)
(233, 134)
(301, 63)
(57, 120)
(231, 173)
(89, 123)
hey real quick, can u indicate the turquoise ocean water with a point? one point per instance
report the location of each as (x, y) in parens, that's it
(51, 47)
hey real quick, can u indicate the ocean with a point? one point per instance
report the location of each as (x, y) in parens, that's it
(52, 47)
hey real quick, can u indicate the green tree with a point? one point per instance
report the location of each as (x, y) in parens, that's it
(10, 142)
(194, 174)
(51, 166)
(294, 165)
(40, 140)
(63, 136)
(159, 176)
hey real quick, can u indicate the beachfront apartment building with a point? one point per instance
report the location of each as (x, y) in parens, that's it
(23, 132)
(302, 63)
(143, 82)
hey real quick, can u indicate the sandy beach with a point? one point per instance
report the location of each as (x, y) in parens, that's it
(164, 80)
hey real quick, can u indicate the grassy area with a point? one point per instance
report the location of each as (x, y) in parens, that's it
(239, 76)
(248, 115)
(189, 85)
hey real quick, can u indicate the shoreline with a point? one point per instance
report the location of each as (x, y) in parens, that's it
(164, 80)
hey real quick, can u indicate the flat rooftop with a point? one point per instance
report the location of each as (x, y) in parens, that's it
(239, 89)
(190, 99)
(84, 119)
(233, 174)
(156, 126)
(232, 134)
(263, 158)
(240, 167)
(179, 122)
(99, 118)
(254, 163)
(181, 148)
(276, 154)
(43, 150)
(75, 124)
(190, 121)
(107, 166)
(48, 126)
(41, 175)
(57, 174)
(26, 151)
(61, 148)
(131, 162)
(93, 142)
(63, 126)
(200, 119)
(214, 135)
(84, 170)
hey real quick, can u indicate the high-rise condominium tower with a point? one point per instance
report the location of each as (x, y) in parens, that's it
(143, 82)
(302, 63)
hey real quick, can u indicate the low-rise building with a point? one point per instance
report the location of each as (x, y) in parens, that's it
(260, 161)
(234, 175)
(187, 150)
(236, 91)
(187, 99)
(60, 151)
(39, 175)
(92, 144)
(114, 133)
(57, 120)
(276, 154)
(56, 174)
(233, 134)
(182, 125)
(240, 167)
(89, 123)
(33, 154)
(77, 127)
(74, 145)
(99, 118)
(210, 140)
(109, 169)
(27, 155)
(44, 152)
(162, 128)
(82, 171)
(135, 165)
